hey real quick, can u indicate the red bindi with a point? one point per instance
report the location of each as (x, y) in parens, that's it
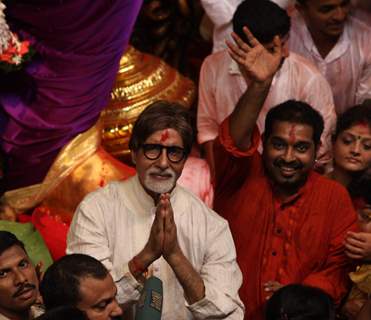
(164, 135)
(292, 136)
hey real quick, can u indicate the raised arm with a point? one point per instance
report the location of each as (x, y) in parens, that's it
(258, 67)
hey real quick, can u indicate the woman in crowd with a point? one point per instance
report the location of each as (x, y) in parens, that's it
(352, 144)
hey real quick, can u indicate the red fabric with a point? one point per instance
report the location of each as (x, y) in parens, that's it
(299, 241)
(53, 225)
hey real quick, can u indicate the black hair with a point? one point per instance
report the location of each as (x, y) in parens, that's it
(7, 240)
(162, 115)
(61, 282)
(300, 302)
(352, 116)
(264, 18)
(296, 112)
(360, 187)
(63, 313)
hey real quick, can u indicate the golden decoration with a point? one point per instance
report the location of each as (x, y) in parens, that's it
(141, 80)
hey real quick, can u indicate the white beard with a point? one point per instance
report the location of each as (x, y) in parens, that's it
(160, 186)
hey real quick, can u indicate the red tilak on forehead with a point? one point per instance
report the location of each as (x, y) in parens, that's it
(164, 135)
(292, 134)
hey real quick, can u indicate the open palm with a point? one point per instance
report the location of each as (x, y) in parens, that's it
(257, 62)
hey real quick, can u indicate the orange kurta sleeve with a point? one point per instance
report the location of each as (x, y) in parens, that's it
(231, 164)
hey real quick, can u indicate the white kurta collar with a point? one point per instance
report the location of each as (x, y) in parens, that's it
(140, 202)
(337, 51)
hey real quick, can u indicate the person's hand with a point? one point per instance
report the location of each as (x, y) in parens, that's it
(358, 245)
(255, 61)
(352, 307)
(7, 213)
(155, 243)
(40, 275)
(272, 286)
(171, 246)
(39, 271)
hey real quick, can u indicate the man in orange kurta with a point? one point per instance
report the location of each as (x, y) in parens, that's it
(288, 222)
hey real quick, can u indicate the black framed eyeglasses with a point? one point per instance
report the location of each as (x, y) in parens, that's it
(153, 151)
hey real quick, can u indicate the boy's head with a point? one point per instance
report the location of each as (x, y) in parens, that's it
(299, 302)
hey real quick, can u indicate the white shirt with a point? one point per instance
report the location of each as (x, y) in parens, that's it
(220, 13)
(347, 67)
(222, 84)
(113, 224)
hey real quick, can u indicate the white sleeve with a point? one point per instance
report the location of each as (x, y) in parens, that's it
(222, 279)
(207, 125)
(220, 12)
(88, 234)
(320, 97)
(363, 91)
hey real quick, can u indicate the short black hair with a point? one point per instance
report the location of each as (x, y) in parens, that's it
(352, 116)
(63, 313)
(295, 112)
(300, 302)
(8, 240)
(61, 282)
(264, 18)
(162, 115)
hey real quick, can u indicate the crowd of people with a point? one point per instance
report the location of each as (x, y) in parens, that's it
(284, 118)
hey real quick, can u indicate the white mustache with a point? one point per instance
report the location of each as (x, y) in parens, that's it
(169, 172)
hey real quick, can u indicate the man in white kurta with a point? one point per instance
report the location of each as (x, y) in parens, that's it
(117, 223)
(347, 66)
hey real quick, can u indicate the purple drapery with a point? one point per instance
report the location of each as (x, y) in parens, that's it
(80, 43)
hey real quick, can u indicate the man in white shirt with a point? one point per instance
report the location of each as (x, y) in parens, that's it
(19, 284)
(339, 44)
(149, 225)
(222, 83)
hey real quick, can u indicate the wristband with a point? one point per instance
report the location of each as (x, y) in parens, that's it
(138, 267)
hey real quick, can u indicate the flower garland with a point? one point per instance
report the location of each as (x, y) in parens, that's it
(13, 52)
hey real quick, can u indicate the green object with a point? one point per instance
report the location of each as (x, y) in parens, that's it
(149, 306)
(34, 243)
